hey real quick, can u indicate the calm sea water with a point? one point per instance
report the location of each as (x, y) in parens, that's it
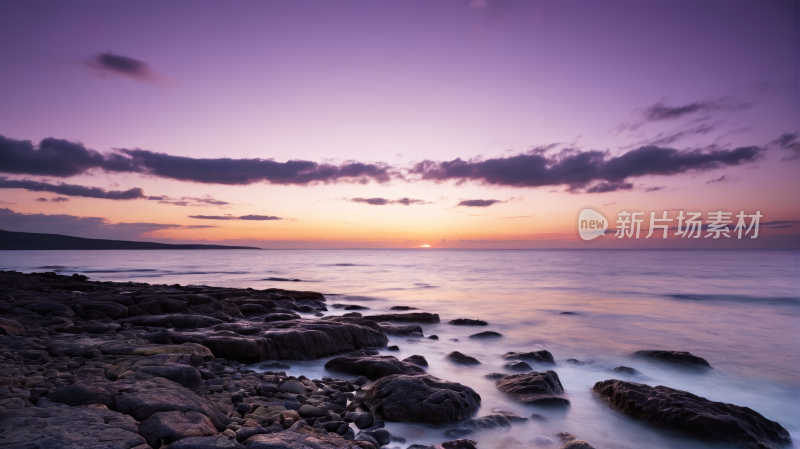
(739, 310)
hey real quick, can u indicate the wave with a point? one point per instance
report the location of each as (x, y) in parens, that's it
(772, 300)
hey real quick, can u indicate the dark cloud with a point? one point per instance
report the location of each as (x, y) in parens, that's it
(479, 203)
(592, 171)
(44, 200)
(260, 217)
(71, 189)
(384, 201)
(59, 199)
(189, 201)
(58, 157)
(88, 227)
(789, 141)
(109, 63)
(249, 171)
(651, 189)
(231, 217)
(661, 111)
(54, 157)
(723, 178)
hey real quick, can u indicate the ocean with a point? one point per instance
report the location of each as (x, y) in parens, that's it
(739, 310)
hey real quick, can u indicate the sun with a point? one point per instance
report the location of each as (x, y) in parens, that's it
(425, 246)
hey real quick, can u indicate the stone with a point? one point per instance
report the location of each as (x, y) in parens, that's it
(414, 317)
(540, 388)
(421, 398)
(167, 427)
(460, 444)
(142, 404)
(467, 322)
(81, 394)
(543, 357)
(299, 437)
(281, 317)
(517, 366)
(216, 442)
(409, 330)
(416, 360)
(462, 359)
(293, 386)
(696, 415)
(65, 427)
(674, 358)
(626, 370)
(512, 416)
(241, 349)
(11, 327)
(486, 335)
(372, 367)
(489, 422)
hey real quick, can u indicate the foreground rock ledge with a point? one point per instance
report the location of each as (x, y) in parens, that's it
(699, 416)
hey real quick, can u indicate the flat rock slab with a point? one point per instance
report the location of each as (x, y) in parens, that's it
(421, 398)
(372, 367)
(65, 427)
(143, 404)
(675, 358)
(540, 388)
(304, 437)
(543, 357)
(414, 317)
(697, 415)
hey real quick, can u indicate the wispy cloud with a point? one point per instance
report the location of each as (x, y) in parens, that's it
(479, 203)
(71, 189)
(231, 217)
(108, 63)
(384, 201)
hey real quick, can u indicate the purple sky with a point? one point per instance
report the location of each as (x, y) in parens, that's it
(398, 82)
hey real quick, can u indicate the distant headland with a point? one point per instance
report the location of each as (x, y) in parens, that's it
(34, 241)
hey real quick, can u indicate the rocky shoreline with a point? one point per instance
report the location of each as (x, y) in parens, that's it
(128, 365)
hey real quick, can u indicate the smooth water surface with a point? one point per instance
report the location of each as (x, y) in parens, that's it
(737, 309)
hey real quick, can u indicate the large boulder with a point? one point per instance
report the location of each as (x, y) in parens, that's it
(11, 327)
(694, 414)
(372, 367)
(65, 427)
(543, 357)
(167, 427)
(462, 359)
(467, 322)
(242, 349)
(144, 403)
(81, 394)
(674, 358)
(540, 388)
(420, 398)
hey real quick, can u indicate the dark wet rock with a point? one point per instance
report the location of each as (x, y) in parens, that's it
(538, 417)
(62, 426)
(540, 388)
(281, 317)
(413, 317)
(697, 415)
(81, 394)
(215, 442)
(675, 358)
(393, 348)
(578, 362)
(460, 444)
(568, 313)
(517, 366)
(626, 370)
(416, 360)
(495, 376)
(355, 307)
(378, 437)
(167, 427)
(467, 322)
(433, 337)
(304, 437)
(512, 416)
(576, 444)
(252, 309)
(242, 349)
(352, 315)
(420, 398)
(462, 359)
(489, 422)
(11, 327)
(185, 375)
(410, 330)
(49, 309)
(372, 367)
(143, 404)
(275, 365)
(402, 308)
(486, 335)
(542, 357)
(179, 321)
